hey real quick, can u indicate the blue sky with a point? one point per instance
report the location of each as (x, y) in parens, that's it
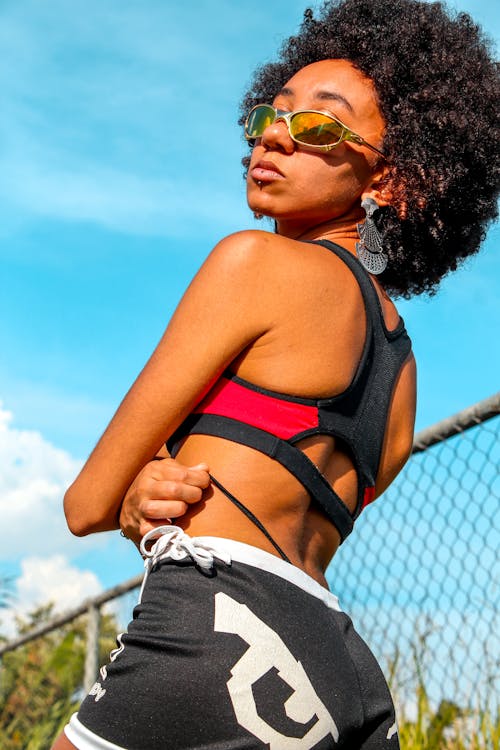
(112, 191)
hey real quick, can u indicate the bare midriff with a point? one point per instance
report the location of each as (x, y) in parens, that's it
(276, 498)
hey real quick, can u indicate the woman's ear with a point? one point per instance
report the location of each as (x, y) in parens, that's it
(388, 189)
(379, 189)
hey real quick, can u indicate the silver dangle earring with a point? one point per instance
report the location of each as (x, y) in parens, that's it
(369, 249)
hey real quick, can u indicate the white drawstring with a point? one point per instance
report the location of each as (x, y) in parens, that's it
(174, 544)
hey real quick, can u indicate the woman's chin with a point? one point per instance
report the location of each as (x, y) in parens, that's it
(259, 210)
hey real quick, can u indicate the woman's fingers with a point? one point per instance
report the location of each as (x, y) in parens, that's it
(170, 471)
(163, 490)
(169, 489)
(163, 508)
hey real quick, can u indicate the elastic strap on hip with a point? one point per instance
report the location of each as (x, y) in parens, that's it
(248, 513)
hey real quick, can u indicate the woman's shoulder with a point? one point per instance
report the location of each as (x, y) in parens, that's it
(287, 273)
(248, 256)
(249, 244)
(269, 252)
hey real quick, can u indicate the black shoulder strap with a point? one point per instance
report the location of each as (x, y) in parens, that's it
(359, 415)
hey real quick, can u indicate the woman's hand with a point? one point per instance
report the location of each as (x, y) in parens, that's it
(162, 490)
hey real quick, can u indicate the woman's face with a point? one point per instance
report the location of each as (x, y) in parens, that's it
(302, 188)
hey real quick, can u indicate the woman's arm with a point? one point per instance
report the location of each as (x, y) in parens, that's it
(217, 318)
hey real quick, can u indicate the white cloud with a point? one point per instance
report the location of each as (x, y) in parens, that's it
(48, 580)
(53, 564)
(53, 579)
(34, 475)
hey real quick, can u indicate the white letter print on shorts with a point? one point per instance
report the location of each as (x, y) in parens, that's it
(267, 650)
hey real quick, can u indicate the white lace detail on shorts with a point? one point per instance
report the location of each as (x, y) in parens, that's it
(172, 543)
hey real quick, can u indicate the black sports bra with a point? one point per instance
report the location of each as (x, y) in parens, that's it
(273, 422)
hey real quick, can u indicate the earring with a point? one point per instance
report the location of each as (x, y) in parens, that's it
(369, 249)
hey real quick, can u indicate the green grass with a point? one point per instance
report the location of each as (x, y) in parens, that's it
(449, 727)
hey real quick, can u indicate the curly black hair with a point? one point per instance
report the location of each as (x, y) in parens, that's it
(438, 90)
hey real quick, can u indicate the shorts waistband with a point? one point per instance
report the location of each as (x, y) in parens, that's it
(172, 543)
(259, 558)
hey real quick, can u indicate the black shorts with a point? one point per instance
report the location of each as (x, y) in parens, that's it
(231, 647)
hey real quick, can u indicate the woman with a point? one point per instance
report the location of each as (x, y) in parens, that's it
(287, 369)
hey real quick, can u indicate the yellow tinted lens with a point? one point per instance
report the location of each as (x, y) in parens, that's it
(315, 129)
(258, 120)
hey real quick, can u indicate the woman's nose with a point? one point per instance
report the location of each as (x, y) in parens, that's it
(277, 136)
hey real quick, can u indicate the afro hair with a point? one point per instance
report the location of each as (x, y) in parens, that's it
(438, 90)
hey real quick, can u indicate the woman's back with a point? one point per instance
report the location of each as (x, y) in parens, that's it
(311, 349)
(283, 314)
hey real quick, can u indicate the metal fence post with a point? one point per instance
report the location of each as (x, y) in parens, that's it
(92, 651)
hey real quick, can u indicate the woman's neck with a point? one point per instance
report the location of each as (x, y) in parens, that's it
(342, 230)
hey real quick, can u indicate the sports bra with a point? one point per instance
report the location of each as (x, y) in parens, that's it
(273, 422)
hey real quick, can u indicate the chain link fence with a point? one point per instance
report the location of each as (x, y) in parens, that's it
(420, 576)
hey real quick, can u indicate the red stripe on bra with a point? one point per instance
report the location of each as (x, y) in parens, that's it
(277, 416)
(368, 497)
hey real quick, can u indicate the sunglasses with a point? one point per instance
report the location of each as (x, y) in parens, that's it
(307, 127)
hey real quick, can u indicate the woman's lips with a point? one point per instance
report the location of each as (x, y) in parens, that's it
(266, 171)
